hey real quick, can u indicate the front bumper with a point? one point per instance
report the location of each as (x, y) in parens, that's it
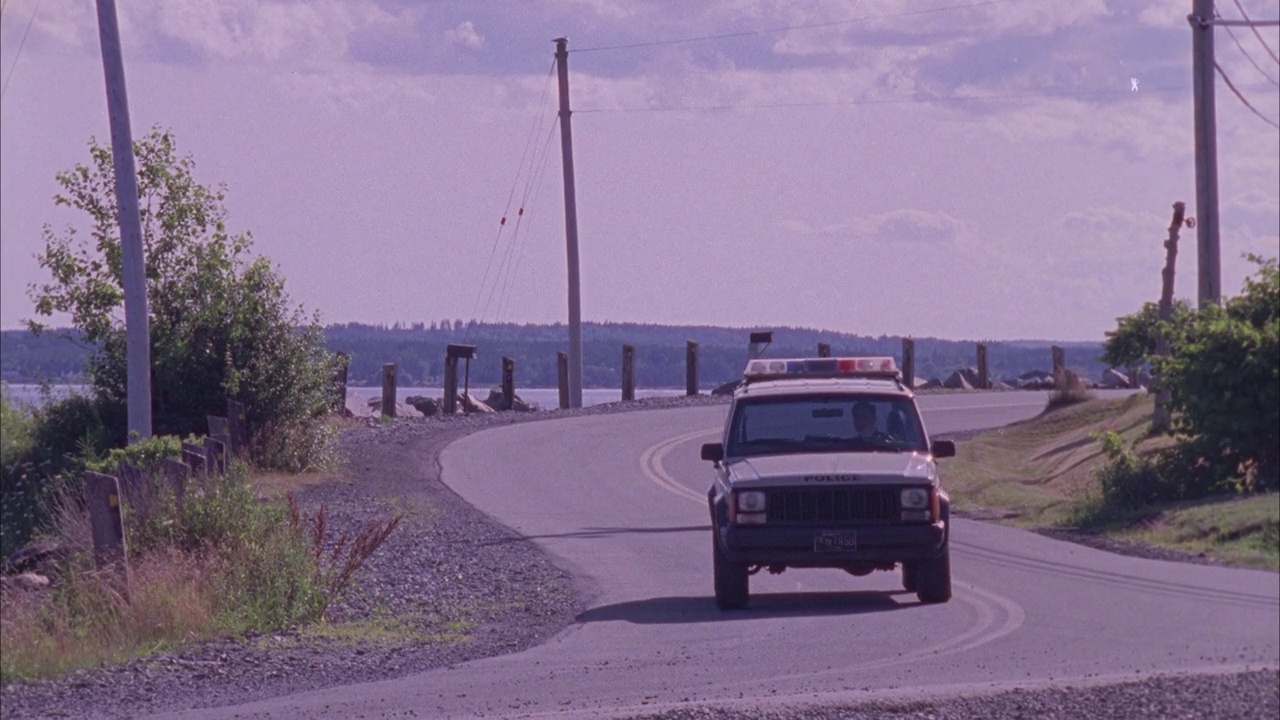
(798, 546)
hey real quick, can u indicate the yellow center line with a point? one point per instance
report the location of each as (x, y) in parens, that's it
(651, 464)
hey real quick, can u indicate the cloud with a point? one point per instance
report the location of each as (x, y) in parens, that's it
(466, 36)
(912, 226)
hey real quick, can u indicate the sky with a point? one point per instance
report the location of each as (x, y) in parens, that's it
(934, 168)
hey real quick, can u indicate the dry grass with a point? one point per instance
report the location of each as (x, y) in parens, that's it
(85, 620)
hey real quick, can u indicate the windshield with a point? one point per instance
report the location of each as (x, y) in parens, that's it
(826, 423)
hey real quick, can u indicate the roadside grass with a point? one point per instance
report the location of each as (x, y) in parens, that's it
(1038, 473)
(230, 560)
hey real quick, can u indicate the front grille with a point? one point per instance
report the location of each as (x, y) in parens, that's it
(815, 506)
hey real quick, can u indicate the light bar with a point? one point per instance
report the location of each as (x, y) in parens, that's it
(821, 367)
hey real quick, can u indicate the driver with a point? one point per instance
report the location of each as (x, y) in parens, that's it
(864, 422)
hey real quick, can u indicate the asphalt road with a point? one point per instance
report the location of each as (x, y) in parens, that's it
(620, 501)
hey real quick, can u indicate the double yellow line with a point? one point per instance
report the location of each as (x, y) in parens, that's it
(651, 464)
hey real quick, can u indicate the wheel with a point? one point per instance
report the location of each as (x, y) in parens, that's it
(909, 577)
(731, 580)
(933, 578)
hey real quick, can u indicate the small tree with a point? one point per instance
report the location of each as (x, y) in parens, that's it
(221, 323)
(1133, 342)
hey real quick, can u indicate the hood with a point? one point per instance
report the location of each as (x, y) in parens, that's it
(816, 469)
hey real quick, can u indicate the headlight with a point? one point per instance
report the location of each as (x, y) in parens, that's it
(914, 498)
(751, 501)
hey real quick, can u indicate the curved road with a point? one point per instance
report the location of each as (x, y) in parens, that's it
(620, 501)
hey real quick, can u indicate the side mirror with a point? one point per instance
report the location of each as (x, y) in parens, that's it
(713, 452)
(943, 448)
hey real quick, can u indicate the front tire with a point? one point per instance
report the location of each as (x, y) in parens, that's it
(908, 577)
(933, 578)
(733, 584)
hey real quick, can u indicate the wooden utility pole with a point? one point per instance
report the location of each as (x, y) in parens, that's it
(1160, 419)
(570, 229)
(133, 257)
(1208, 253)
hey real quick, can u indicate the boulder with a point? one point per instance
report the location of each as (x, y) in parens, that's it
(727, 388)
(469, 403)
(423, 404)
(402, 410)
(31, 581)
(931, 384)
(958, 381)
(1113, 378)
(496, 401)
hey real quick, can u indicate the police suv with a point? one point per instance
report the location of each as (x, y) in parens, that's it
(825, 463)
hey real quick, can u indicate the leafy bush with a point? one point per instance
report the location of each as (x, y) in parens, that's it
(1130, 481)
(1224, 377)
(221, 323)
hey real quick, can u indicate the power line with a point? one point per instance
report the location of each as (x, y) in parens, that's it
(887, 101)
(772, 31)
(1257, 34)
(1247, 104)
(23, 42)
(533, 132)
(530, 196)
(1249, 57)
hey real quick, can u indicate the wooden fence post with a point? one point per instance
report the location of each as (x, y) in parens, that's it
(220, 430)
(628, 373)
(194, 456)
(340, 382)
(177, 473)
(508, 384)
(449, 403)
(562, 377)
(909, 363)
(102, 496)
(984, 379)
(389, 390)
(237, 422)
(1059, 367)
(215, 453)
(824, 349)
(691, 368)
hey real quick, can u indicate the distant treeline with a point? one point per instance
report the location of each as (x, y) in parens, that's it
(418, 351)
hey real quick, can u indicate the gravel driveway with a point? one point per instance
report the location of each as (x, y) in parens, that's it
(450, 586)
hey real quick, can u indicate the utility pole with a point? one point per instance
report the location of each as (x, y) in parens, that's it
(1208, 253)
(137, 323)
(570, 229)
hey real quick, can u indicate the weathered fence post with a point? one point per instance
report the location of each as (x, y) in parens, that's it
(450, 399)
(194, 456)
(824, 349)
(102, 496)
(220, 429)
(1059, 367)
(562, 377)
(215, 455)
(909, 362)
(237, 422)
(628, 372)
(389, 390)
(691, 368)
(508, 384)
(984, 380)
(340, 381)
(177, 473)
(1135, 371)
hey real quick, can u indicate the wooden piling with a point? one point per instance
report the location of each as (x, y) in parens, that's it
(628, 373)
(984, 380)
(909, 362)
(562, 377)
(824, 349)
(508, 384)
(691, 368)
(389, 390)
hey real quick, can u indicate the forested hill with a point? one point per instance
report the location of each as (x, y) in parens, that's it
(418, 351)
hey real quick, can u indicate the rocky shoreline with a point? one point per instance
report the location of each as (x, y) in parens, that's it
(451, 585)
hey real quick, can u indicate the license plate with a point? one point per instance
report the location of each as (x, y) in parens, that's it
(835, 541)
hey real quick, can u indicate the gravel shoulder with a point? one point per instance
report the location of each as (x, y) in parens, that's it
(451, 585)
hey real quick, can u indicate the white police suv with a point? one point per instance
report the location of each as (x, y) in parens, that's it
(825, 462)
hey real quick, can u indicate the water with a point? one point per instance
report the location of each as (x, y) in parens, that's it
(546, 398)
